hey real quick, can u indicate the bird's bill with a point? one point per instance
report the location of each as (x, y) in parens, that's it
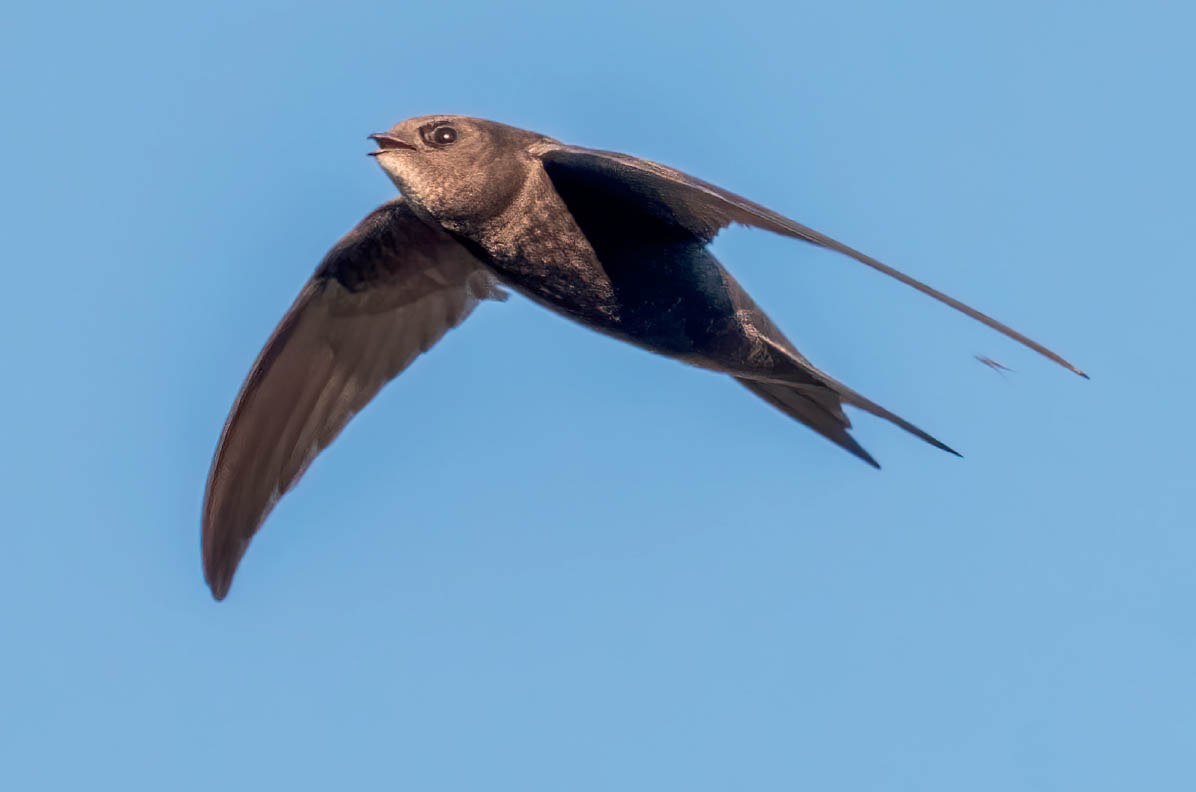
(387, 143)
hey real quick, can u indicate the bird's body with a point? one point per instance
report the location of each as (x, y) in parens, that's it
(619, 275)
(612, 242)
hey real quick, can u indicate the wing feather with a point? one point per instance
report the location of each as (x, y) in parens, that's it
(383, 295)
(704, 209)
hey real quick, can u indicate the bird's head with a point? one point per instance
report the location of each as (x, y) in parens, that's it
(457, 170)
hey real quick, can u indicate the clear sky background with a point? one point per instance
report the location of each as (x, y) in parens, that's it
(543, 560)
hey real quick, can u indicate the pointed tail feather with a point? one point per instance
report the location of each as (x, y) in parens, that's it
(831, 424)
(818, 405)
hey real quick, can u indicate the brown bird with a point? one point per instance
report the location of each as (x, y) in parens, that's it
(616, 243)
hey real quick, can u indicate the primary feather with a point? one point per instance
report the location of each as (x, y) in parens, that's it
(382, 296)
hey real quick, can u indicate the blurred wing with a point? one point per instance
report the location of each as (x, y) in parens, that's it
(384, 294)
(703, 209)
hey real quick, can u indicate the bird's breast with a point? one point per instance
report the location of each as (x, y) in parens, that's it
(535, 247)
(666, 294)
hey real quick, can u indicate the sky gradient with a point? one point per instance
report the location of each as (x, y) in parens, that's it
(542, 559)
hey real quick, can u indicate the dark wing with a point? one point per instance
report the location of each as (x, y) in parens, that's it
(384, 294)
(703, 209)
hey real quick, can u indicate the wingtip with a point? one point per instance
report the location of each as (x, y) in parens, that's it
(1067, 365)
(218, 581)
(219, 590)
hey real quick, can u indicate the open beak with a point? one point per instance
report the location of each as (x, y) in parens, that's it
(388, 143)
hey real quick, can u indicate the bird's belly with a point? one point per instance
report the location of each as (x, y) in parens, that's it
(677, 302)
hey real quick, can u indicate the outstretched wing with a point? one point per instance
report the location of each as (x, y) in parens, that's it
(704, 209)
(384, 294)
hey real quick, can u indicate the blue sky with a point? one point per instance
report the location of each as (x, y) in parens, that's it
(545, 560)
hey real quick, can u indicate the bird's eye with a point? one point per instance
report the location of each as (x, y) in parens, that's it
(443, 135)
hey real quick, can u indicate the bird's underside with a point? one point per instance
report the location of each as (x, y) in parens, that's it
(397, 282)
